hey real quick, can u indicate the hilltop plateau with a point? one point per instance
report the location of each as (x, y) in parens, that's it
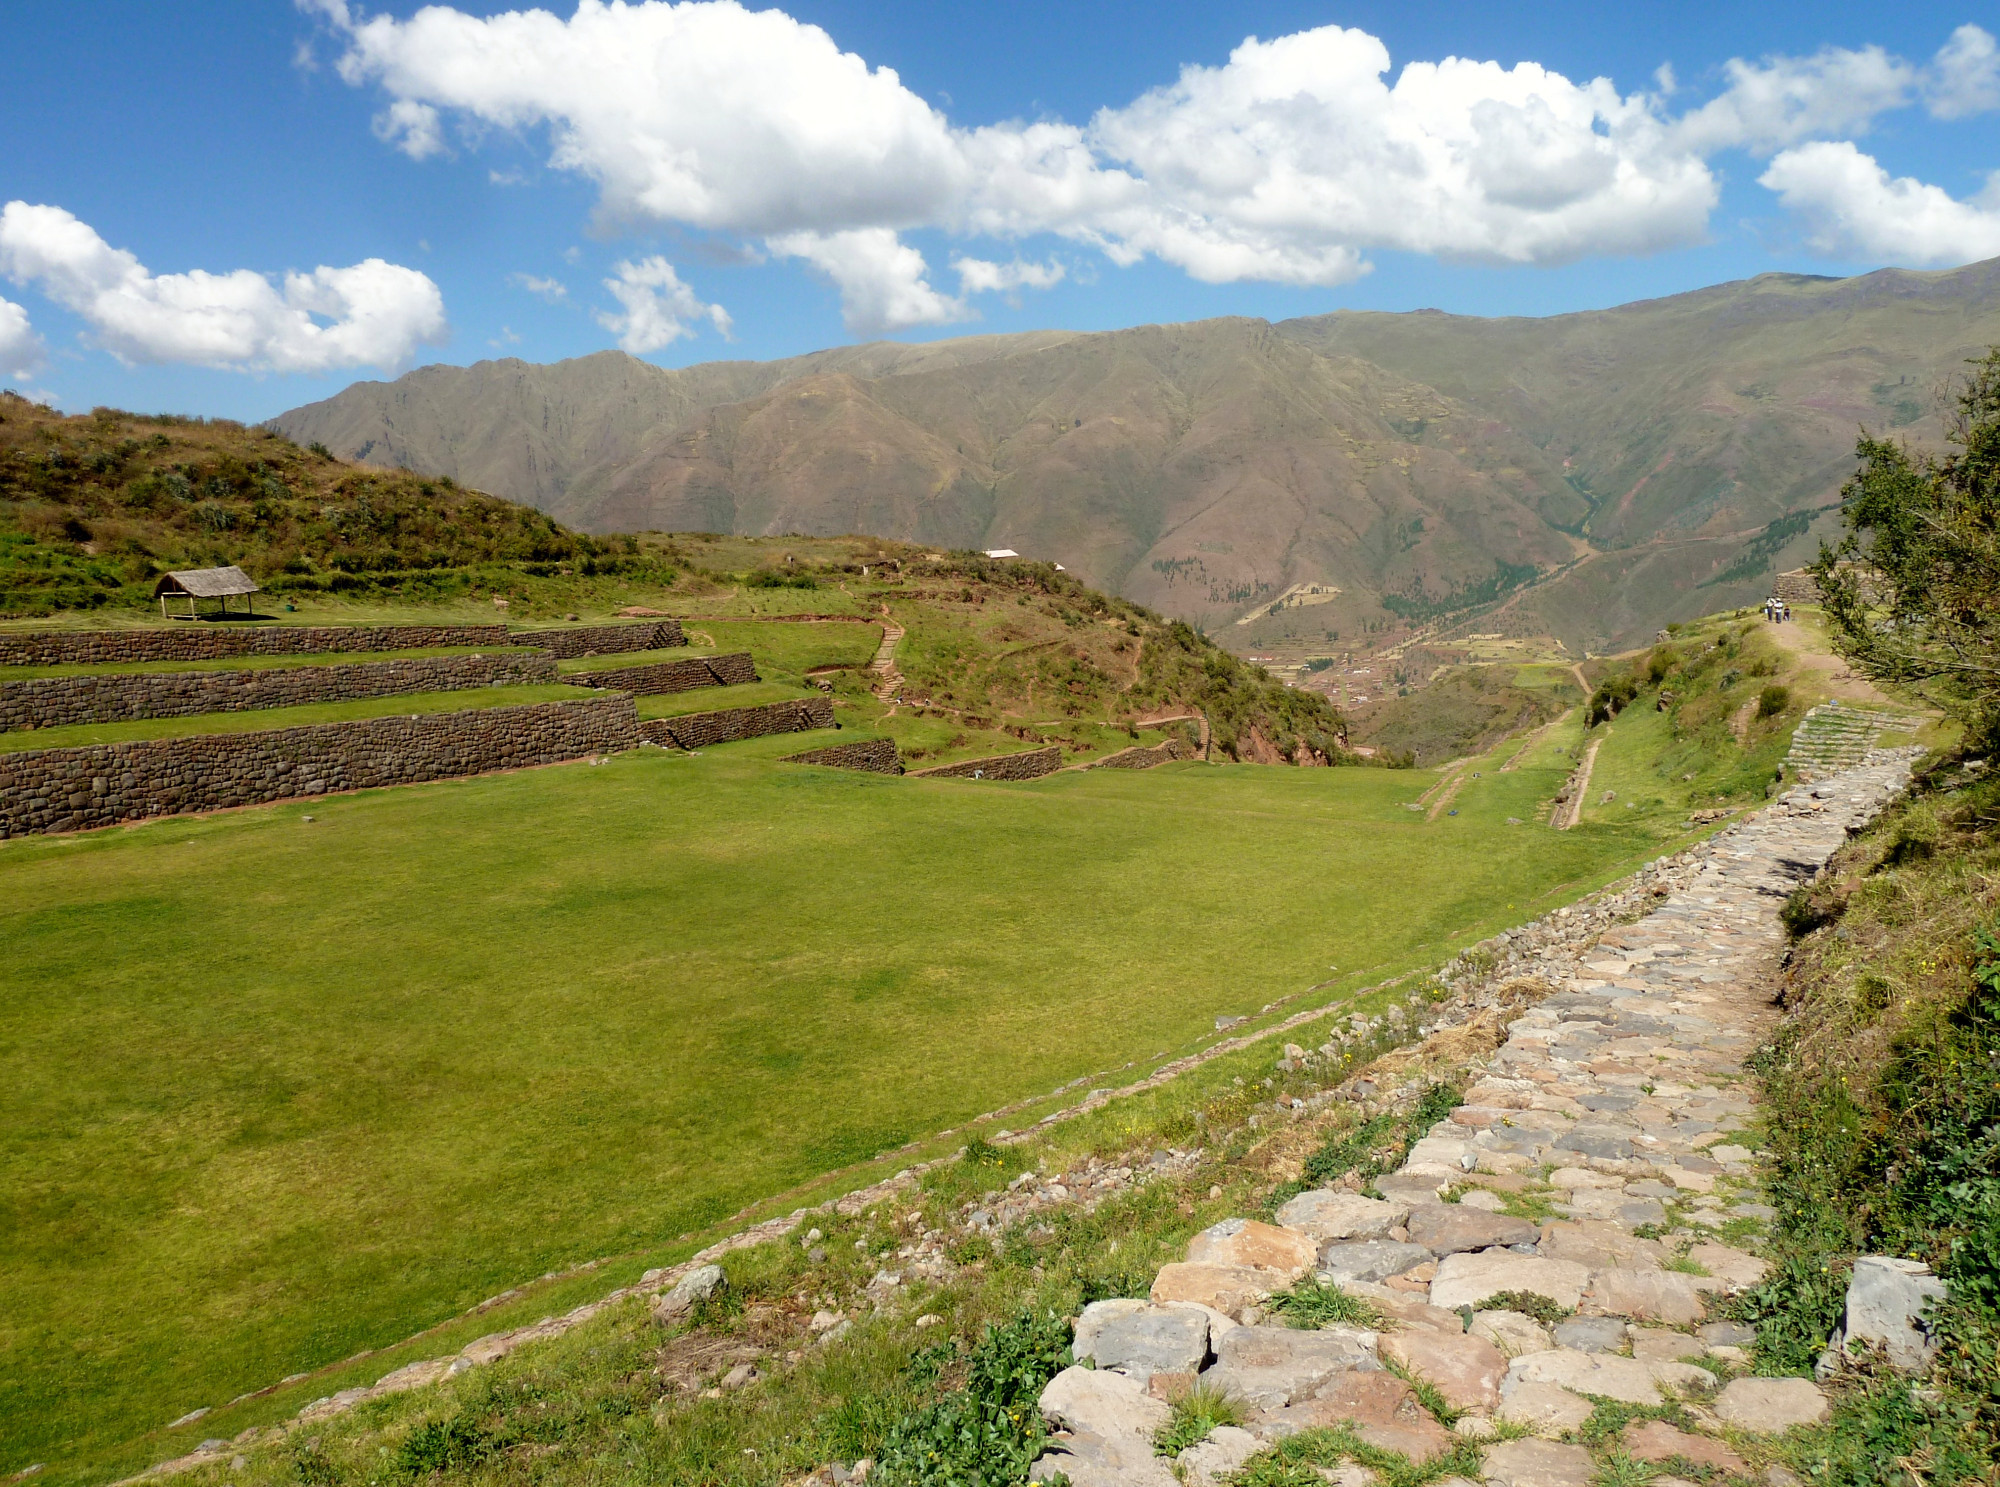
(1295, 487)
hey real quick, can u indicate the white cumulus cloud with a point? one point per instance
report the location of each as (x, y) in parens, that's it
(1965, 75)
(1850, 206)
(371, 314)
(21, 350)
(883, 281)
(982, 276)
(1290, 162)
(656, 308)
(1782, 100)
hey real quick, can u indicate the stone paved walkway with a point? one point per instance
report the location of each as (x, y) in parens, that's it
(1600, 1166)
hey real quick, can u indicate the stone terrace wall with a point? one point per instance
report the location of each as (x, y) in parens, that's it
(45, 790)
(603, 640)
(1029, 766)
(732, 670)
(120, 696)
(699, 730)
(1136, 758)
(199, 642)
(874, 755)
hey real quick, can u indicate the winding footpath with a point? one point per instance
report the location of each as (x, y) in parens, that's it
(1619, 1112)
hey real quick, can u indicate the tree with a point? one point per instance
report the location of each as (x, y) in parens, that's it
(1912, 593)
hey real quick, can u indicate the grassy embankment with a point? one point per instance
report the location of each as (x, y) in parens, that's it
(1884, 1118)
(277, 1092)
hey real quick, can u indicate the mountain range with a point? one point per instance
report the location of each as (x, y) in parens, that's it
(1299, 483)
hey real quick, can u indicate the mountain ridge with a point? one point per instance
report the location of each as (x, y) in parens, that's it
(1590, 475)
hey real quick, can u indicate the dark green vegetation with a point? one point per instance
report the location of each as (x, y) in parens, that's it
(1884, 1115)
(991, 1430)
(93, 508)
(1198, 1413)
(1591, 476)
(273, 1092)
(1922, 607)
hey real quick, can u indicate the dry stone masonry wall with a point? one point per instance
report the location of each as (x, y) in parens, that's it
(201, 642)
(1137, 758)
(116, 697)
(604, 640)
(1031, 765)
(733, 670)
(871, 755)
(46, 790)
(699, 730)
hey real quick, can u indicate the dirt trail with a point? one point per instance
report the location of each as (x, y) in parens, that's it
(1571, 811)
(1811, 651)
(887, 679)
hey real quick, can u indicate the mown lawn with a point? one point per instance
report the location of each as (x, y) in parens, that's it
(273, 1091)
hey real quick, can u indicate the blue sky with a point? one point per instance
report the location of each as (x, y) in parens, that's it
(464, 187)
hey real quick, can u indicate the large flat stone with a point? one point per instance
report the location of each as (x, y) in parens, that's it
(1270, 1367)
(1599, 1244)
(1656, 1440)
(1216, 1459)
(1104, 1424)
(1770, 1406)
(1629, 1380)
(1254, 1246)
(1886, 1298)
(1226, 1288)
(1327, 1215)
(1646, 1296)
(1466, 1370)
(1731, 1268)
(1142, 1338)
(1380, 1408)
(1511, 1332)
(1451, 1228)
(1370, 1259)
(1533, 1463)
(1546, 1409)
(1468, 1280)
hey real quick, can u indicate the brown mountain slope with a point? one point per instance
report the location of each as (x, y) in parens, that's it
(1590, 475)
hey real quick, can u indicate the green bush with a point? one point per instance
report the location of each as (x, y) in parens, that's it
(1311, 1304)
(1772, 701)
(1198, 1414)
(988, 1433)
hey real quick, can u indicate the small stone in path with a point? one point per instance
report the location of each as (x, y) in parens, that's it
(1533, 1463)
(1227, 1288)
(1628, 1380)
(1218, 1457)
(1270, 1367)
(1647, 1295)
(1770, 1406)
(1381, 1409)
(1142, 1339)
(1511, 1332)
(1727, 1334)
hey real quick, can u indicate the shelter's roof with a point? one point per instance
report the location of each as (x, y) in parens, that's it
(206, 583)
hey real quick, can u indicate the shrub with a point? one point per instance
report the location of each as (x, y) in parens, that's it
(442, 1445)
(1773, 700)
(1543, 1309)
(988, 1433)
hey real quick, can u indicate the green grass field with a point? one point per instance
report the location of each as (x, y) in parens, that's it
(272, 1091)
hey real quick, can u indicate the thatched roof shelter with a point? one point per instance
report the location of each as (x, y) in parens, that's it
(204, 583)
